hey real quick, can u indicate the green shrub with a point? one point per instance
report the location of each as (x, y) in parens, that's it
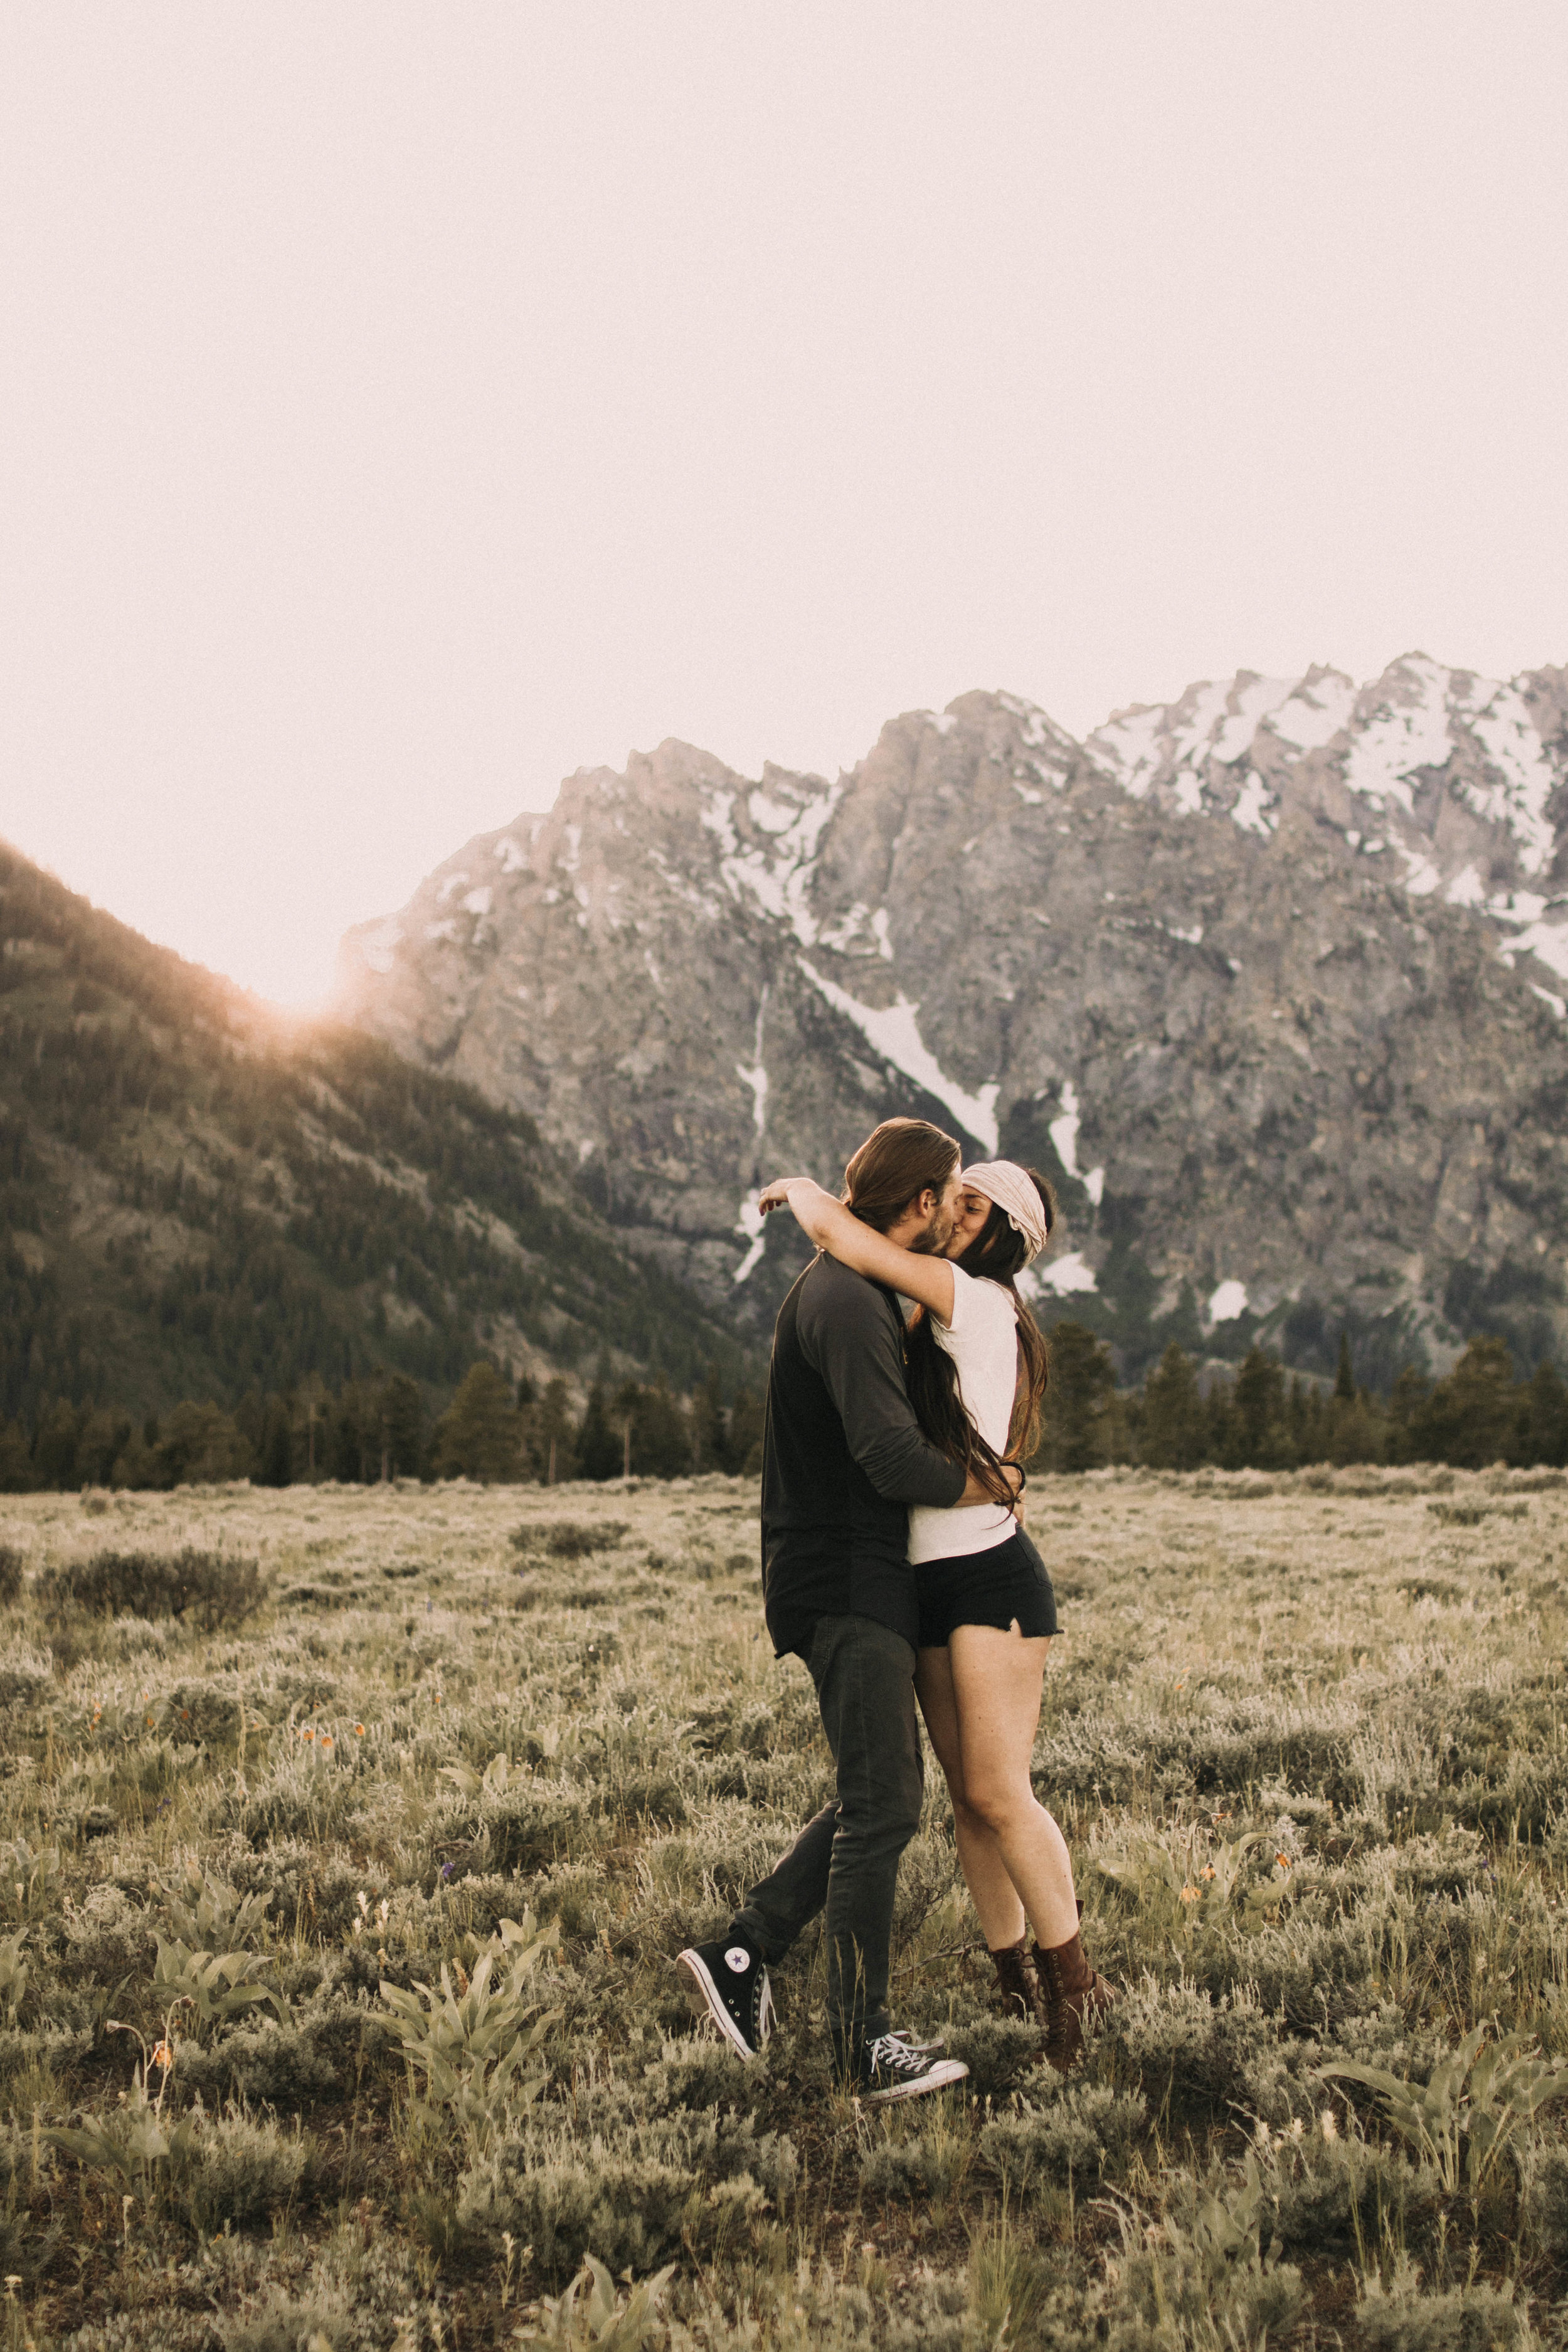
(210, 1588)
(1190, 2056)
(1479, 2318)
(237, 2168)
(570, 1539)
(1082, 2134)
(12, 1562)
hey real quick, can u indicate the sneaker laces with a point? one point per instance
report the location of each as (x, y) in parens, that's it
(892, 2054)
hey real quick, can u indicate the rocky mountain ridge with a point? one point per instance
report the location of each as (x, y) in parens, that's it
(1267, 980)
(199, 1199)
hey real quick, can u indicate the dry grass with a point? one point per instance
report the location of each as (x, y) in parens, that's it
(1307, 1735)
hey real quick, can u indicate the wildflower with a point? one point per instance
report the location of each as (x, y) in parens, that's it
(307, 1735)
(326, 1739)
(149, 1723)
(1219, 1817)
(163, 2056)
(1208, 1871)
(1329, 2124)
(359, 1731)
(1298, 2129)
(1282, 1860)
(1189, 1894)
(1261, 2133)
(382, 1910)
(446, 1870)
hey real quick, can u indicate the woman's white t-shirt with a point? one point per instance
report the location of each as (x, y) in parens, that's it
(982, 1341)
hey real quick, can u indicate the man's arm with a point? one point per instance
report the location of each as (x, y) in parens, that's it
(852, 1339)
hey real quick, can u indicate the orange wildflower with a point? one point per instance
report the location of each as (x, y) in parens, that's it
(1208, 1871)
(1283, 1860)
(1189, 1894)
(163, 2056)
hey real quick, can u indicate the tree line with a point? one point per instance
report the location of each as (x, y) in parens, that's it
(494, 1429)
(1186, 1416)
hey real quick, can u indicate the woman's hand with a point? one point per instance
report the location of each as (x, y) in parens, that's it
(808, 1201)
(776, 1196)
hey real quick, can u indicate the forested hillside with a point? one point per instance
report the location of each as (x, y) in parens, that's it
(199, 1199)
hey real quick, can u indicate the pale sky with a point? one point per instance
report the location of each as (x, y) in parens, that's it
(401, 407)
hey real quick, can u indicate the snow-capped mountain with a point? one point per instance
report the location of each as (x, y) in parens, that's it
(1266, 979)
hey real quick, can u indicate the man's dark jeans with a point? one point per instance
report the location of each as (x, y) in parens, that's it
(847, 1858)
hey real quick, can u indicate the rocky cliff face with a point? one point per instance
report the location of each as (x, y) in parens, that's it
(1267, 979)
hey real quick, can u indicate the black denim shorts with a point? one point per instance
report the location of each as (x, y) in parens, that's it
(985, 1588)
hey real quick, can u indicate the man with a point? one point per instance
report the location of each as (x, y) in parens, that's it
(843, 1458)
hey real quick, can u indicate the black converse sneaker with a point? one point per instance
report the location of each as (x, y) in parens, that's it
(893, 2069)
(728, 1981)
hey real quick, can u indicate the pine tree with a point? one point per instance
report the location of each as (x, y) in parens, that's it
(1472, 1418)
(709, 1435)
(478, 1435)
(1172, 1435)
(1082, 1379)
(275, 1455)
(1344, 1377)
(1543, 1420)
(1261, 1439)
(599, 1447)
(744, 1438)
(54, 1448)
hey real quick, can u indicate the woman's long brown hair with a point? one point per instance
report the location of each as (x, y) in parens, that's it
(996, 1254)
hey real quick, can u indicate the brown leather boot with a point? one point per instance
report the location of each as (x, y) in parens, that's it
(1073, 1993)
(1017, 1986)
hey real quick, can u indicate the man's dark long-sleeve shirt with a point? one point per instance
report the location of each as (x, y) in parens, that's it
(843, 1458)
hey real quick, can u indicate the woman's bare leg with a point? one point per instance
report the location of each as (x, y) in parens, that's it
(990, 1890)
(995, 1682)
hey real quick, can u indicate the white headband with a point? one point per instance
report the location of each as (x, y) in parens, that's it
(1006, 1183)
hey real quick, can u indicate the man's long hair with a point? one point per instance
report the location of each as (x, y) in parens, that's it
(996, 1254)
(897, 1161)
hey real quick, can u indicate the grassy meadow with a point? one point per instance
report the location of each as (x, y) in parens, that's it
(1308, 1736)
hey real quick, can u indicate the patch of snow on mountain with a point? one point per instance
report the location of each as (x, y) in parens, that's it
(713, 815)
(943, 722)
(749, 1224)
(1228, 1302)
(477, 902)
(1466, 889)
(509, 854)
(454, 882)
(756, 1077)
(894, 1032)
(1254, 702)
(1252, 805)
(1314, 712)
(773, 816)
(879, 934)
(1066, 1275)
(1514, 748)
(1421, 877)
(1547, 940)
(1094, 1185)
(1063, 1129)
(1559, 1004)
(1404, 736)
(1131, 748)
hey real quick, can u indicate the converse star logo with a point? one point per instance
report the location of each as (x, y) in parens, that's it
(738, 1958)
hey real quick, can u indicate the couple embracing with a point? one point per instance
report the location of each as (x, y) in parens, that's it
(894, 1564)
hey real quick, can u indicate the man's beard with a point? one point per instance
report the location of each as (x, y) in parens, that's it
(936, 1236)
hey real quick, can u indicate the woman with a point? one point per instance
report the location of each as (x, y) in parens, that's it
(976, 1376)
